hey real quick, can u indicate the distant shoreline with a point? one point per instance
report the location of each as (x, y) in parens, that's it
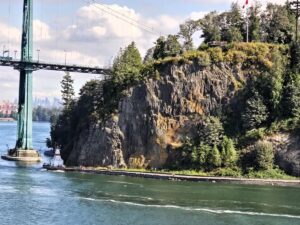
(7, 120)
(179, 177)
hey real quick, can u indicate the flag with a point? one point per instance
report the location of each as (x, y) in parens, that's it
(246, 4)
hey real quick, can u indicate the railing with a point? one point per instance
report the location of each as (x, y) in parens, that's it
(36, 65)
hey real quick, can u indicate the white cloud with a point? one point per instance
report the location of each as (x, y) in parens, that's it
(94, 39)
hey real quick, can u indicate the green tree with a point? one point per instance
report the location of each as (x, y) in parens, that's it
(228, 153)
(277, 25)
(67, 90)
(187, 30)
(214, 158)
(167, 47)
(211, 27)
(295, 57)
(254, 22)
(211, 131)
(270, 84)
(255, 112)
(290, 106)
(231, 24)
(264, 154)
(149, 55)
(233, 34)
(127, 65)
(203, 153)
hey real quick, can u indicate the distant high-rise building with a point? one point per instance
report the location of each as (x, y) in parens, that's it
(7, 108)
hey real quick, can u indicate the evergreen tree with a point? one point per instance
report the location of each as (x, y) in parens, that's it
(254, 22)
(203, 153)
(255, 112)
(67, 90)
(211, 131)
(228, 153)
(291, 96)
(231, 24)
(159, 48)
(149, 55)
(270, 84)
(214, 158)
(127, 65)
(295, 57)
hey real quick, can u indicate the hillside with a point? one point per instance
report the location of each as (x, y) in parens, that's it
(183, 104)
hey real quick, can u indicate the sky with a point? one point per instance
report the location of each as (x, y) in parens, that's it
(90, 32)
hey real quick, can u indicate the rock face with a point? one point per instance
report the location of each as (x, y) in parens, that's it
(154, 116)
(287, 155)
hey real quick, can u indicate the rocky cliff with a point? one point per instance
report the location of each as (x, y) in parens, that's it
(155, 115)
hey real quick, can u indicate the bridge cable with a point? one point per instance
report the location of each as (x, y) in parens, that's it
(120, 16)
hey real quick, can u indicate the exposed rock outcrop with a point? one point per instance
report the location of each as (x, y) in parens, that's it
(287, 154)
(154, 116)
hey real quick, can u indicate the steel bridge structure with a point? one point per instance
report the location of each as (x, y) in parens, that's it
(26, 65)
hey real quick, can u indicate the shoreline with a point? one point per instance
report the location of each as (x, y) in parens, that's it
(179, 177)
(7, 120)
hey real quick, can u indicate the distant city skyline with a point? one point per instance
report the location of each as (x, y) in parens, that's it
(90, 34)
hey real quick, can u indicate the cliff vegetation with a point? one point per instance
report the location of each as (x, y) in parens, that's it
(227, 108)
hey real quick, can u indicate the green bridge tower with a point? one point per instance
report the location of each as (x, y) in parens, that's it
(24, 149)
(24, 138)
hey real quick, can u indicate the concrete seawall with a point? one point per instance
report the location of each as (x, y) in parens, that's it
(178, 177)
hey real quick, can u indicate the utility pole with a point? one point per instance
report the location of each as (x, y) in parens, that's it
(295, 8)
(65, 57)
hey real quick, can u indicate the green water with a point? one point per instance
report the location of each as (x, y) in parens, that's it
(29, 195)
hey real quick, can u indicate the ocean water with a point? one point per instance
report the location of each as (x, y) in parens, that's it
(30, 195)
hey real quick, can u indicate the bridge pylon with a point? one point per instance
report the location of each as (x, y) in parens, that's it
(24, 149)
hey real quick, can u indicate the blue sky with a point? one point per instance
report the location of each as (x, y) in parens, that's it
(88, 34)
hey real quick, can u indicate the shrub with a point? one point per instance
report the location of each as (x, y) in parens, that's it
(216, 54)
(235, 57)
(255, 135)
(227, 172)
(202, 57)
(264, 154)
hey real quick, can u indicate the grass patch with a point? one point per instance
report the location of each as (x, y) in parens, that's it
(269, 174)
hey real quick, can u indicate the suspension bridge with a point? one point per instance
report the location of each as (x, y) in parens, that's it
(23, 150)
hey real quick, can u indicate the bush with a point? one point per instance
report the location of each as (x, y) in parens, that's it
(216, 54)
(254, 135)
(235, 57)
(268, 174)
(227, 172)
(202, 57)
(264, 154)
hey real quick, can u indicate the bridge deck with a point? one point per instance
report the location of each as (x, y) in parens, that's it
(35, 65)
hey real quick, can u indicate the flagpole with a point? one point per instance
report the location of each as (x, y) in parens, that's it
(247, 25)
